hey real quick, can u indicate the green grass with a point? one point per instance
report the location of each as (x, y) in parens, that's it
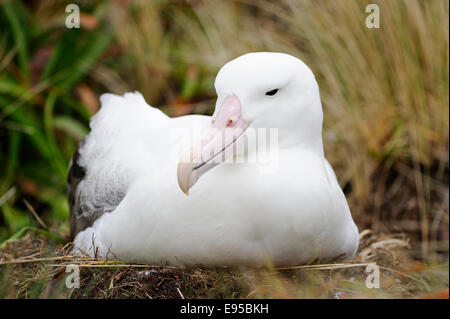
(41, 119)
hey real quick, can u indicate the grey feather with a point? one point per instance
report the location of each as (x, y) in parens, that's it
(86, 206)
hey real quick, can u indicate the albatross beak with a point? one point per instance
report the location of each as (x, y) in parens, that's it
(215, 147)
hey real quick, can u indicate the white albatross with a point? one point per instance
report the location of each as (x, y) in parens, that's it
(124, 189)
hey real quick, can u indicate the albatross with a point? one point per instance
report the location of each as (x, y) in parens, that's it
(140, 191)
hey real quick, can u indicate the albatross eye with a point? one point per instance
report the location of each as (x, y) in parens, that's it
(272, 92)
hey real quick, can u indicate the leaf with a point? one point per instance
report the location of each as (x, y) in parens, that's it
(97, 44)
(57, 157)
(70, 126)
(13, 157)
(14, 18)
(190, 84)
(23, 231)
(39, 61)
(88, 21)
(15, 219)
(88, 98)
(63, 56)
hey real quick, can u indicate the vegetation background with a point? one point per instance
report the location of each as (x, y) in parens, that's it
(384, 91)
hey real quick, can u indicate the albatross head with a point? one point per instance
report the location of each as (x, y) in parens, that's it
(258, 90)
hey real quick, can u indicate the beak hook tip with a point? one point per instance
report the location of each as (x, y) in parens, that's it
(184, 172)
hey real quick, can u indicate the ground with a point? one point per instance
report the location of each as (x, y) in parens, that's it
(35, 267)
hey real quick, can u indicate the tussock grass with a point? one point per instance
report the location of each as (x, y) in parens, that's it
(384, 93)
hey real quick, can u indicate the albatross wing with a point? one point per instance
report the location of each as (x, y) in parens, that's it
(100, 171)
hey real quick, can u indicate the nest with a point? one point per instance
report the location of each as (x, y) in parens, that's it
(36, 267)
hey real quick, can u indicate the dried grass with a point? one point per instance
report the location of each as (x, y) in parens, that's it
(33, 267)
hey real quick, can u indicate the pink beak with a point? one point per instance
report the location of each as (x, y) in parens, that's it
(215, 147)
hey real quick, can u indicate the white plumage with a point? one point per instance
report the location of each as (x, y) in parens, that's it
(233, 214)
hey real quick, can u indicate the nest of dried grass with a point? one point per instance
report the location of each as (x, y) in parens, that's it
(35, 267)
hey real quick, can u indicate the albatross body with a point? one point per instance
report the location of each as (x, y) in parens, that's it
(139, 192)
